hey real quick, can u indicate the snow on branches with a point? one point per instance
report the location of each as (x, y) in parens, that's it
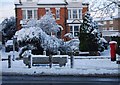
(37, 33)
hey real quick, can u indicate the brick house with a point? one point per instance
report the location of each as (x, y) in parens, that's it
(68, 14)
(109, 26)
(105, 23)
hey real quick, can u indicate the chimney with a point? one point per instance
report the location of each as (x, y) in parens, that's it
(65, 1)
(20, 2)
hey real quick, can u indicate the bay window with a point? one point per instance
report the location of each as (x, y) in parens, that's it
(75, 15)
(74, 30)
(69, 14)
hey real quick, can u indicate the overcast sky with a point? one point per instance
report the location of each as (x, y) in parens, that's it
(6, 9)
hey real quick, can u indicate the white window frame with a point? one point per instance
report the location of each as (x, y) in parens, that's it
(76, 14)
(73, 29)
(111, 22)
(110, 28)
(33, 13)
(58, 10)
(70, 14)
(104, 28)
(105, 22)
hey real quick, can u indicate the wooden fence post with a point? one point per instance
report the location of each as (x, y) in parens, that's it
(50, 61)
(58, 52)
(30, 61)
(9, 61)
(44, 52)
(72, 60)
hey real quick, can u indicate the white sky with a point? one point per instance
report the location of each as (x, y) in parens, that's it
(6, 9)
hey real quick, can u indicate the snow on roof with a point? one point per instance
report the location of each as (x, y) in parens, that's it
(74, 4)
(117, 16)
(110, 33)
(51, 2)
(103, 19)
(74, 0)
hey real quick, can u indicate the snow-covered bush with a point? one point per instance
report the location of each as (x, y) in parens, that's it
(73, 45)
(37, 34)
(69, 35)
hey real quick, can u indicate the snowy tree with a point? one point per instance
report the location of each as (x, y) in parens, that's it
(48, 24)
(36, 36)
(69, 35)
(8, 28)
(103, 8)
(90, 35)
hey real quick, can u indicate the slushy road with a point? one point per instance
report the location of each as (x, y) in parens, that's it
(59, 80)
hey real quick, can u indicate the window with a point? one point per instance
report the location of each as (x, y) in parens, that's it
(57, 13)
(71, 30)
(111, 22)
(24, 14)
(105, 22)
(69, 14)
(74, 30)
(35, 14)
(110, 28)
(28, 14)
(75, 13)
(80, 14)
(104, 28)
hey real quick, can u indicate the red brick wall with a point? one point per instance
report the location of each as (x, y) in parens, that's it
(19, 17)
(61, 21)
(41, 12)
(84, 10)
(116, 24)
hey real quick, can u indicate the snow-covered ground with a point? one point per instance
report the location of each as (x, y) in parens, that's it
(83, 65)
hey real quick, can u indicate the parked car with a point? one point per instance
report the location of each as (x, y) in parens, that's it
(9, 46)
(105, 43)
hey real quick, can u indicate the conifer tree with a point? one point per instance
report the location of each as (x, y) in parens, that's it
(90, 36)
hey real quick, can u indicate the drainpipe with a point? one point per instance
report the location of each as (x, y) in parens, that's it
(65, 18)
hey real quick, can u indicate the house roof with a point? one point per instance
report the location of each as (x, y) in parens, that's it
(116, 16)
(47, 2)
(103, 19)
(74, 0)
(74, 4)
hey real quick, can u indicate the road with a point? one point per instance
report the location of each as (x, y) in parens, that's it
(58, 80)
